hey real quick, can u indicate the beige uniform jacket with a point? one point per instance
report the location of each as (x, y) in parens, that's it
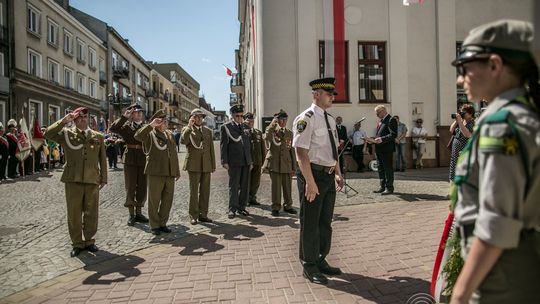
(258, 152)
(160, 149)
(86, 160)
(280, 157)
(200, 155)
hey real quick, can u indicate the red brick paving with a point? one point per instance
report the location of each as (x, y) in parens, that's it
(385, 250)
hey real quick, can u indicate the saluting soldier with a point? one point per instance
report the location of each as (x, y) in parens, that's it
(280, 162)
(315, 141)
(85, 173)
(134, 161)
(258, 153)
(236, 159)
(200, 162)
(161, 169)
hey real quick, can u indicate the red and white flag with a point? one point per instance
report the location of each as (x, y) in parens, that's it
(334, 45)
(227, 70)
(24, 146)
(37, 136)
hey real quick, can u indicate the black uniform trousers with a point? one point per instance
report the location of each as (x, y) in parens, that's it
(316, 219)
(238, 187)
(358, 156)
(386, 169)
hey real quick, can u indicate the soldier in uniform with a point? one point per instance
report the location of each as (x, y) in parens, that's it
(4, 153)
(315, 141)
(85, 173)
(134, 161)
(236, 159)
(200, 162)
(497, 181)
(161, 169)
(280, 162)
(258, 153)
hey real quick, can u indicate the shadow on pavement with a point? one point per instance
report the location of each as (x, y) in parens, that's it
(338, 217)
(236, 232)
(412, 197)
(109, 267)
(283, 220)
(391, 290)
(197, 244)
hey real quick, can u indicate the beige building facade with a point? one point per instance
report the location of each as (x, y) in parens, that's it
(164, 95)
(395, 55)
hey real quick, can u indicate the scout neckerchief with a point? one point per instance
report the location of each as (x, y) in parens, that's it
(200, 146)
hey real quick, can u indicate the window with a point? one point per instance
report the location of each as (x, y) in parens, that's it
(1, 17)
(101, 64)
(34, 63)
(34, 19)
(3, 111)
(52, 32)
(54, 114)
(372, 71)
(139, 78)
(81, 54)
(68, 78)
(81, 85)
(68, 42)
(35, 110)
(330, 64)
(92, 88)
(114, 60)
(53, 71)
(91, 57)
(2, 66)
(116, 91)
(125, 92)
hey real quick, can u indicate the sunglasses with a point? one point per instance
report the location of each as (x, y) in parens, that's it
(462, 70)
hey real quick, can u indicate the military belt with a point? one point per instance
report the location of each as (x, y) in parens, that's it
(325, 169)
(134, 147)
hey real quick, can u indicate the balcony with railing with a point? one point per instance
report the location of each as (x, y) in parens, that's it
(237, 83)
(102, 77)
(120, 72)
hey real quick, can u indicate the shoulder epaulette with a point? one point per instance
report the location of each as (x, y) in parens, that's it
(309, 113)
(498, 117)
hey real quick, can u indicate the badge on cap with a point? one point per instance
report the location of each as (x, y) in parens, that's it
(301, 126)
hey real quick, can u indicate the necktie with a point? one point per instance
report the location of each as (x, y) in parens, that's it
(332, 140)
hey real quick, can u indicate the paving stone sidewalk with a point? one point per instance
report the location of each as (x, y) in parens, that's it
(386, 251)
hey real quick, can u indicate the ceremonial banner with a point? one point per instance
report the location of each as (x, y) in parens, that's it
(24, 146)
(335, 51)
(37, 136)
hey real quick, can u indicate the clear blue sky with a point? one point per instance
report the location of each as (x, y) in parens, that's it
(200, 35)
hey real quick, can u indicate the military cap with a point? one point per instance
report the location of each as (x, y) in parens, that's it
(80, 110)
(328, 84)
(361, 119)
(159, 114)
(197, 112)
(12, 123)
(281, 114)
(136, 107)
(249, 115)
(419, 120)
(510, 38)
(237, 108)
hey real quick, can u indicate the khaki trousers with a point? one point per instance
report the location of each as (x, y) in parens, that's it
(82, 212)
(254, 183)
(135, 183)
(281, 181)
(160, 197)
(199, 194)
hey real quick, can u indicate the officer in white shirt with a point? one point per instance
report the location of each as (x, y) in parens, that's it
(315, 141)
(359, 145)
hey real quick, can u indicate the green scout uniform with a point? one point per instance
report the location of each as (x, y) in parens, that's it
(200, 162)
(161, 170)
(84, 170)
(280, 163)
(134, 161)
(258, 152)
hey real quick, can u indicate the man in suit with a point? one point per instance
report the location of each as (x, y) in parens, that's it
(161, 169)
(342, 137)
(258, 153)
(200, 162)
(384, 149)
(85, 173)
(134, 161)
(236, 159)
(280, 162)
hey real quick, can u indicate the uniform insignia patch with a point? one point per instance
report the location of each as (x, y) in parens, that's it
(309, 113)
(301, 125)
(506, 145)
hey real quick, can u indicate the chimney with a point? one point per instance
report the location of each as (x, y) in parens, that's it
(63, 3)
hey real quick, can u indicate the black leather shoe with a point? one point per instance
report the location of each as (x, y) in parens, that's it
(254, 203)
(156, 231)
(193, 222)
(329, 270)
(141, 218)
(92, 248)
(75, 252)
(205, 220)
(165, 229)
(132, 220)
(379, 191)
(315, 277)
(231, 214)
(243, 212)
(290, 211)
(387, 192)
(275, 213)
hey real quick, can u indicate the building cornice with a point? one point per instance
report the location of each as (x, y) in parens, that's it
(121, 39)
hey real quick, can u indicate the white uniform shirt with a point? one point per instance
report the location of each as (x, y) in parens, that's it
(310, 132)
(358, 137)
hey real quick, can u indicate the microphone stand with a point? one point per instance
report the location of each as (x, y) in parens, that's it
(346, 187)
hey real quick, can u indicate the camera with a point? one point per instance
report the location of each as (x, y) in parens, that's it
(462, 114)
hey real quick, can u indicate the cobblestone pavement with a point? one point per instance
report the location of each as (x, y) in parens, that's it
(34, 244)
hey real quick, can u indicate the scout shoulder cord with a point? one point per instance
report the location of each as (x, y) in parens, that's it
(231, 137)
